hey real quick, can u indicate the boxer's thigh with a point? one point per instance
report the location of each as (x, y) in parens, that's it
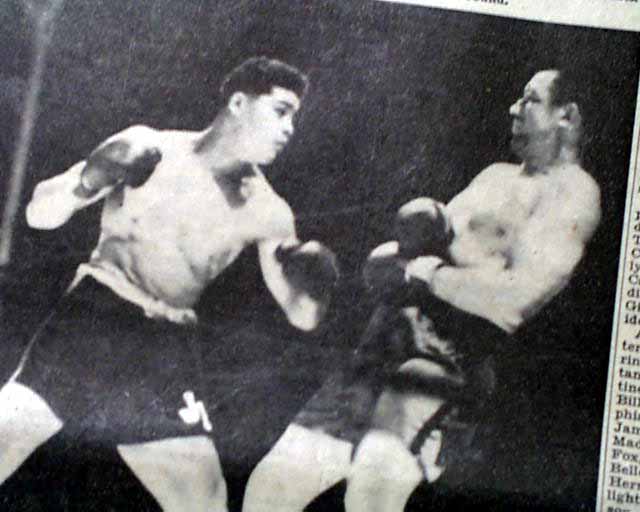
(181, 473)
(405, 413)
(405, 410)
(26, 422)
(301, 466)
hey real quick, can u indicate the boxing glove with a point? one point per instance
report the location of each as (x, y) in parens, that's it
(422, 228)
(310, 267)
(383, 275)
(115, 162)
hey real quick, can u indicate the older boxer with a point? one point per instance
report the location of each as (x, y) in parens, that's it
(457, 280)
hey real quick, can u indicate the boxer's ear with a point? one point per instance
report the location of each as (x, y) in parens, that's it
(570, 117)
(237, 102)
(571, 124)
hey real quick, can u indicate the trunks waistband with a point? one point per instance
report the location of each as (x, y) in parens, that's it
(123, 288)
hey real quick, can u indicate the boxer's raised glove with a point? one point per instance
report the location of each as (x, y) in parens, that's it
(422, 228)
(114, 163)
(384, 276)
(310, 267)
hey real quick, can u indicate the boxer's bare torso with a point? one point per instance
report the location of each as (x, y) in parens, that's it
(177, 232)
(496, 218)
(517, 239)
(178, 207)
(171, 236)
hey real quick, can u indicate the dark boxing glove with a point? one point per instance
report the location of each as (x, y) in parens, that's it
(423, 228)
(310, 267)
(114, 163)
(383, 276)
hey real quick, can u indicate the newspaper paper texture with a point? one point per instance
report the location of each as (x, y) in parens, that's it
(495, 365)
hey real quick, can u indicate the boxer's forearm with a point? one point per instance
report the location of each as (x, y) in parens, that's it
(310, 267)
(503, 297)
(509, 296)
(55, 200)
(291, 290)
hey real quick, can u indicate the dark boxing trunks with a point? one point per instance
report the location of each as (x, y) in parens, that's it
(457, 373)
(112, 374)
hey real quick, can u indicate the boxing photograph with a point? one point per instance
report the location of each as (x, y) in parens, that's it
(302, 255)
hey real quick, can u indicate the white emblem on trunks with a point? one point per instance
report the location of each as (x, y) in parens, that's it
(194, 412)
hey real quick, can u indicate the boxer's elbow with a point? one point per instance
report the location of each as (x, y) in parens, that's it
(511, 306)
(507, 316)
(303, 323)
(52, 203)
(41, 215)
(533, 297)
(510, 319)
(520, 306)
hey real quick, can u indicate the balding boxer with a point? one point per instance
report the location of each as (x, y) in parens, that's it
(457, 280)
(121, 362)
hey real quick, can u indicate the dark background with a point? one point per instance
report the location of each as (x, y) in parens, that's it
(404, 101)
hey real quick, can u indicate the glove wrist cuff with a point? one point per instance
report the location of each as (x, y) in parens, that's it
(83, 189)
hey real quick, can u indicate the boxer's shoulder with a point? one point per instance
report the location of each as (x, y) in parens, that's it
(142, 137)
(582, 202)
(581, 182)
(137, 134)
(270, 214)
(491, 178)
(263, 192)
(498, 171)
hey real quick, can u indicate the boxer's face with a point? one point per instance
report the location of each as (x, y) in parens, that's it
(534, 117)
(266, 124)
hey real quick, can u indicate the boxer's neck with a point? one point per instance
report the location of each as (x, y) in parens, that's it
(549, 154)
(217, 146)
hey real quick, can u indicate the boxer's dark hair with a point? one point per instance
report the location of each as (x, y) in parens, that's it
(573, 86)
(566, 89)
(258, 75)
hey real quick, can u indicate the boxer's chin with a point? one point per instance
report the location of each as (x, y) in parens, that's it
(519, 144)
(266, 158)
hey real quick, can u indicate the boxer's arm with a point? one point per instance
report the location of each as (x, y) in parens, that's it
(55, 200)
(481, 188)
(128, 156)
(299, 276)
(543, 263)
(304, 308)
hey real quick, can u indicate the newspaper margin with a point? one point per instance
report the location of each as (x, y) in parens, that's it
(632, 185)
(581, 13)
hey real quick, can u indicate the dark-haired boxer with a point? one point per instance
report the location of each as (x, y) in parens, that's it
(120, 362)
(456, 280)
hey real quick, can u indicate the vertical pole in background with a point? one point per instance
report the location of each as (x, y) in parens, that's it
(42, 14)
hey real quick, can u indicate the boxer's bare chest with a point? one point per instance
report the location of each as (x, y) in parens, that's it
(185, 217)
(491, 222)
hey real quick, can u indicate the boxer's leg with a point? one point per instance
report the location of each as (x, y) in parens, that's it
(302, 465)
(385, 472)
(181, 473)
(26, 422)
(383, 476)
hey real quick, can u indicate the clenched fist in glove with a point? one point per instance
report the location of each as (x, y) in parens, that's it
(310, 267)
(423, 228)
(118, 162)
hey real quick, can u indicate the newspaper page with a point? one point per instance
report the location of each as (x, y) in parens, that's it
(280, 255)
